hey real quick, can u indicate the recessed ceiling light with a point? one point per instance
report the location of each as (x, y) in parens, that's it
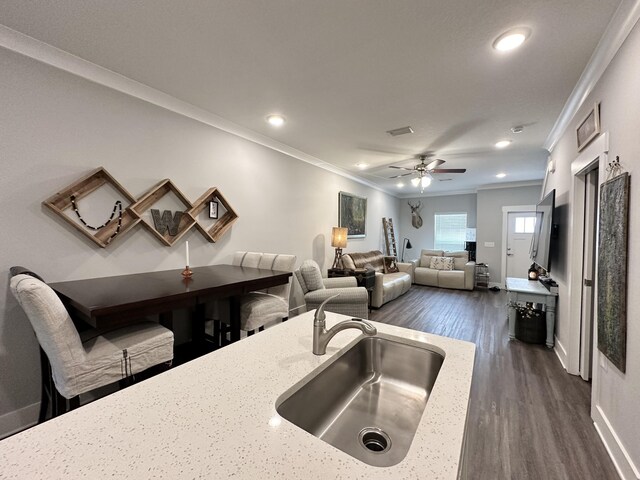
(503, 143)
(501, 175)
(276, 120)
(361, 165)
(511, 39)
(399, 184)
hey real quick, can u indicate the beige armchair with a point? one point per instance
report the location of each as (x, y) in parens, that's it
(352, 300)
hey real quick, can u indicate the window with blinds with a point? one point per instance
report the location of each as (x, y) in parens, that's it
(450, 231)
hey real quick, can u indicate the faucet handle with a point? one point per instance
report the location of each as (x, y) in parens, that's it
(320, 316)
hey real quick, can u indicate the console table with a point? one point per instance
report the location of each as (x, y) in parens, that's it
(525, 290)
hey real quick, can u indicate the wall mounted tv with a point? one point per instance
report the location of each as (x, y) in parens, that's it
(542, 243)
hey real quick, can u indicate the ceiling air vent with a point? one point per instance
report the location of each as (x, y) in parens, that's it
(400, 131)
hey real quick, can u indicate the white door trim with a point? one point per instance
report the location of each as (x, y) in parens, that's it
(505, 227)
(596, 153)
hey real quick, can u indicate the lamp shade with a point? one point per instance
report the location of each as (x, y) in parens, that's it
(339, 237)
(409, 244)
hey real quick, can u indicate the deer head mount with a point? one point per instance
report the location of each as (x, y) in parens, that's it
(416, 219)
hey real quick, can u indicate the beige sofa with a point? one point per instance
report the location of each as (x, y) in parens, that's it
(388, 286)
(461, 276)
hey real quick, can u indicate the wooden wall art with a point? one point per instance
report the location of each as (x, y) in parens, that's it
(166, 226)
(121, 220)
(168, 236)
(223, 224)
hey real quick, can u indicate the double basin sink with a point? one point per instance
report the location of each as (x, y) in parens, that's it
(368, 401)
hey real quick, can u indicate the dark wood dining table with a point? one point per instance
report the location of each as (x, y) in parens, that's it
(109, 302)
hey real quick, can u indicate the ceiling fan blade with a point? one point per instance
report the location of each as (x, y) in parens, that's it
(448, 170)
(402, 175)
(434, 164)
(400, 168)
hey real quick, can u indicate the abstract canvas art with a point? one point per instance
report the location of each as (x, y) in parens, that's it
(352, 214)
(612, 270)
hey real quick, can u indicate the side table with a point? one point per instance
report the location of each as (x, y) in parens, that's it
(525, 290)
(365, 278)
(482, 275)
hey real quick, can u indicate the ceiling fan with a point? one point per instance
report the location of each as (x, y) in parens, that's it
(423, 171)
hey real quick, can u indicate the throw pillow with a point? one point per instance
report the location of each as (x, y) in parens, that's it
(390, 265)
(442, 263)
(311, 274)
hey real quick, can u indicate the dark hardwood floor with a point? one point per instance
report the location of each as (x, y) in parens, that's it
(528, 418)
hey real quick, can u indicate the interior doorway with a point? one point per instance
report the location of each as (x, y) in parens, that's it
(588, 271)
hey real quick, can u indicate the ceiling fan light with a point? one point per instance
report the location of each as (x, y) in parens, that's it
(415, 181)
(425, 181)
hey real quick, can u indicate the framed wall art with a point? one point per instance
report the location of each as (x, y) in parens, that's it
(612, 270)
(589, 128)
(352, 214)
(213, 209)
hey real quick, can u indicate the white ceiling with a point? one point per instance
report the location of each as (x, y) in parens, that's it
(345, 72)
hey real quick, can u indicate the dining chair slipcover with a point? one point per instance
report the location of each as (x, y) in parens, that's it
(262, 307)
(80, 364)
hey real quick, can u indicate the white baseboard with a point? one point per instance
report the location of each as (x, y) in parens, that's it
(621, 459)
(18, 420)
(561, 352)
(496, 284)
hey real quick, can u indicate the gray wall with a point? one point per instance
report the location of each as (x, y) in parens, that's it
(424, 236)
(489, 222)
(55, 128)
(615, 394)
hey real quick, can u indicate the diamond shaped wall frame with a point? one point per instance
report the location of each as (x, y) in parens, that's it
(105, 236)
(223, 224)
(150, 198)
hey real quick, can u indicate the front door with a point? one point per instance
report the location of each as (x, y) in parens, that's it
(520, 228)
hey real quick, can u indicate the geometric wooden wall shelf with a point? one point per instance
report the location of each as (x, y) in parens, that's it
(150, 198)
(115, 228)
(223, 224)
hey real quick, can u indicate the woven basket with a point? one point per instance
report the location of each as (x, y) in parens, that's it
(531, 325)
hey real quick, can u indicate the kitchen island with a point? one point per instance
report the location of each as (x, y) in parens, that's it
(215, 417)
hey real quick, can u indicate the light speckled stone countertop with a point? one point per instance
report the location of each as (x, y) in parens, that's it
(215, 417)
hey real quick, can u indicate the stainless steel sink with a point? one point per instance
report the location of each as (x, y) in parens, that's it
(369, 401)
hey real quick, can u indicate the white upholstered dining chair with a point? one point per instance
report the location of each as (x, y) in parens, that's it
(75, 363)
(262, 307)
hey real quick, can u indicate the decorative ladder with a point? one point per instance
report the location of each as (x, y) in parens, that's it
(389, 237)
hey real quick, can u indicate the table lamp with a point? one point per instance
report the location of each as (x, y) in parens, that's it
(406, 242)
(338, 241)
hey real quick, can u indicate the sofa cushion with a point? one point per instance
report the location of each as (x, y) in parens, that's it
(361, 260)
(460, 259)
(426, 276)
(451, 279)
(427, 255)
(441, 263)
(311, 276)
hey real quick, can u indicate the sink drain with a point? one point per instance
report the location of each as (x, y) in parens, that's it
(374, 440)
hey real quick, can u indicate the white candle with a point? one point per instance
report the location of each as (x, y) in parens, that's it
(187, 248)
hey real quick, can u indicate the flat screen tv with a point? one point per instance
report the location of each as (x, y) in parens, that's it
(544, 233)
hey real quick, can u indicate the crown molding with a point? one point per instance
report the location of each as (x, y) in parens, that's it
(48, 54)
(621, 24)
(498, 186)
